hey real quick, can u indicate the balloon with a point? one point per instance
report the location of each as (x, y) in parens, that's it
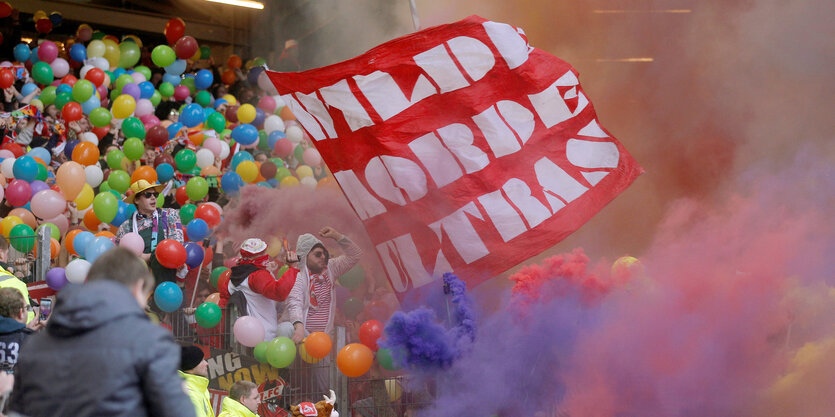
(295, 134)
(208, 214)
(80, 242)
(146, 89)
(133, 242)
(88, 106)
(111, 52)
(71, 112)
(354, 359)
(281, 352)
(70, 178)
(197, 188)
(370, 332)
(318, 344)
(123, 106)
(247, 170)
(60, 67)
(233, 61)
(185, 47)
(56, 278)
(283, 147)
(192, 115)
(161, 55)
(208, 315)
(171, 254)
(85, 153)
(8, 223)
(174, 29)
(164, 172)
(353, 278)
(158, 136)
(194, 254)
(129, 54)
(352, 307)
(83, 90)
(246, 113)
(77, 271)
(97, 247)
(105, 205)
(248, 331)
(25, 168)
(203, 79)
(78, 52)
(18, 193)
(168, 296)
(260, 351)
(312, 157)
(305, 356)
(289, 182)
(231, 182)
(228, 77)
(100, 117)
(96, 48)
(22, 238)
(47, 51)
(47, 204)
(245, 134)
(25, 215)
(224, 150)
(144, 172)
(197, 230)
(22, 52)
(203, 98)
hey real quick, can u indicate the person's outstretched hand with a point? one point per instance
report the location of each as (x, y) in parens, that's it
(330, 232)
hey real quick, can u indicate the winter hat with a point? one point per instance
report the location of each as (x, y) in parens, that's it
(190, 357)
(253, 248)
(305, 244)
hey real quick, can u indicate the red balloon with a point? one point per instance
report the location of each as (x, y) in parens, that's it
(6, 78)
(164, 159)
(156, 136)
(14, 148)
(5, 9)
(174, 29)
(268, 169)
(69, 79)
(185, 47)
(208, 255)
(72, 111)
(370, 332)
(232, 114)
(171, 254)
(209, 214)
(95, 76)
(100, 131)
(43, 25)
(181, 196)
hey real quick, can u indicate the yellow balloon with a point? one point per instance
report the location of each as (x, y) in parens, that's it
(289, 181)
(37, 103)
(305, 357)
(96, 48)
(85, 197)
(274, 248)
(112, 52)
(246, 113)
(40, 14)
(8, 223)
(247, 170)
(123, 106)
(230, 99)
(304, 171)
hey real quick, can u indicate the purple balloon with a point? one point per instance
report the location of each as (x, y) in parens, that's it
(194, 254)
(37, 186)
(132, 89)
(56, 278)
(342, 294)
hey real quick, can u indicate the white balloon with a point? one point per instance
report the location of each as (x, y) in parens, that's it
(100, 63)
(265, 84)
(90, 137)
(60, 67)
(224, 150)
(84, 69)
(309, 182)
(295, 134)
(94, 175)
(138, 77)
(285, 329)
(77, 271)
(7, 167)
(273, 123)
(205, 157)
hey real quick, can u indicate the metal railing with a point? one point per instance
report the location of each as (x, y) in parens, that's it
(30, 266)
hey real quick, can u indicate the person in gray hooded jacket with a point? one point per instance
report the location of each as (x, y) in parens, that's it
(100, 355)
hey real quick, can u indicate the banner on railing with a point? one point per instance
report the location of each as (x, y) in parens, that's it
(460, 147)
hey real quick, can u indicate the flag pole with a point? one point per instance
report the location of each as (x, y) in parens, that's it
(415, 19)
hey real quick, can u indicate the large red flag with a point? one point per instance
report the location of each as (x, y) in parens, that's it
(460, 147)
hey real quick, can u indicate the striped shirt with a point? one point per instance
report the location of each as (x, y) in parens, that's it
(317, 316)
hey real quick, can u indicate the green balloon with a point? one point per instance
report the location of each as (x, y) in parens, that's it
(144, 71)
(260, 352)
(281, 173)
(207, 315)
(133, 148)
(194, 171)
(114, 159)
(115, 93)
(83, 90)
(122, 81)
(263, 144)
(188, 82)
(115, 193)
(62, 98)
(185, 159)
(279, 163)
(353, 278)
(187, 213)
(22, 238)
(352, 307)
(216, 122)
(129, 55)
(42, 73)
(281, 352)
(166, 89)
(119, 181)
(203, 98)
(42, 173)
(104, 187)
(98, 35)
(197, 188)
(386, 360)
(299, 153)
(205, 52)
(100, 117)
(216, 273)
(105, 206)
(54, 231)
(155, 98)
(282, 270)
(163, 56)
(132, 127)
(47, 96)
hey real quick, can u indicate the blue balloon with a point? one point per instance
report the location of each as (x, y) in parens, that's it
(274, 137)
(168, 296)
(56, 19)
(203, 79)
(63, 88)
(231, 182)
(220, 101)
(42, 153)
(22, 52)
(197, 230)
(253, 74)
(80, 242)
(273, 182)
(192, 115)
(92, 103)
(265, 184)
(260, 116)
(165, 172)
(171, 78)
(69, 147)
(146, 89)
(239, 157)
(177, 68)
(132, 209)
(34, 56)
(207, 111)
(28, 88)
(78, 52)
(194, 254)
(96, 248)
(117, 72)
(245, 134)
(121, 214)
(25, 168)
(173, 129)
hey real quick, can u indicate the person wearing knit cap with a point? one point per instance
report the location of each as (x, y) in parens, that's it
(258, 286)
(195, 371)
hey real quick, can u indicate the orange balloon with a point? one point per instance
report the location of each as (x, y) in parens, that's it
(71, 177)
(85, 153)
(54, 248)
(213, 298)
(144, 172)
(91, 222)
(25, 215)
(327, 182)
(286, 114)
(354, 360)
(228, 77)
(106, 234)
(318, 344)
(234, 61)
(197, 137)
(209, 171)
(69, 238)
(260, 177)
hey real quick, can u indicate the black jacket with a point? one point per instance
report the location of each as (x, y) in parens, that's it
(99, 356)
(12, 335)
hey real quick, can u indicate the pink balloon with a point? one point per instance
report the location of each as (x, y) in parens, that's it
(212, 144)
(283, 147)
(2, 193)
(60, 67)
(181, 92)
(55, 83)
(5, 153)
(60, 221)
(48, 203)
(18, 192)
(311, 157)
(47, 52)
(248, 331)
(149, 120)
(143, 107)
(102, 90)
(138, 77)
(267, 103)
(133, 242)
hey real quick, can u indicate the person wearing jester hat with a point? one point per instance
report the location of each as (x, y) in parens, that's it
(324, 408)
(261, 290)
